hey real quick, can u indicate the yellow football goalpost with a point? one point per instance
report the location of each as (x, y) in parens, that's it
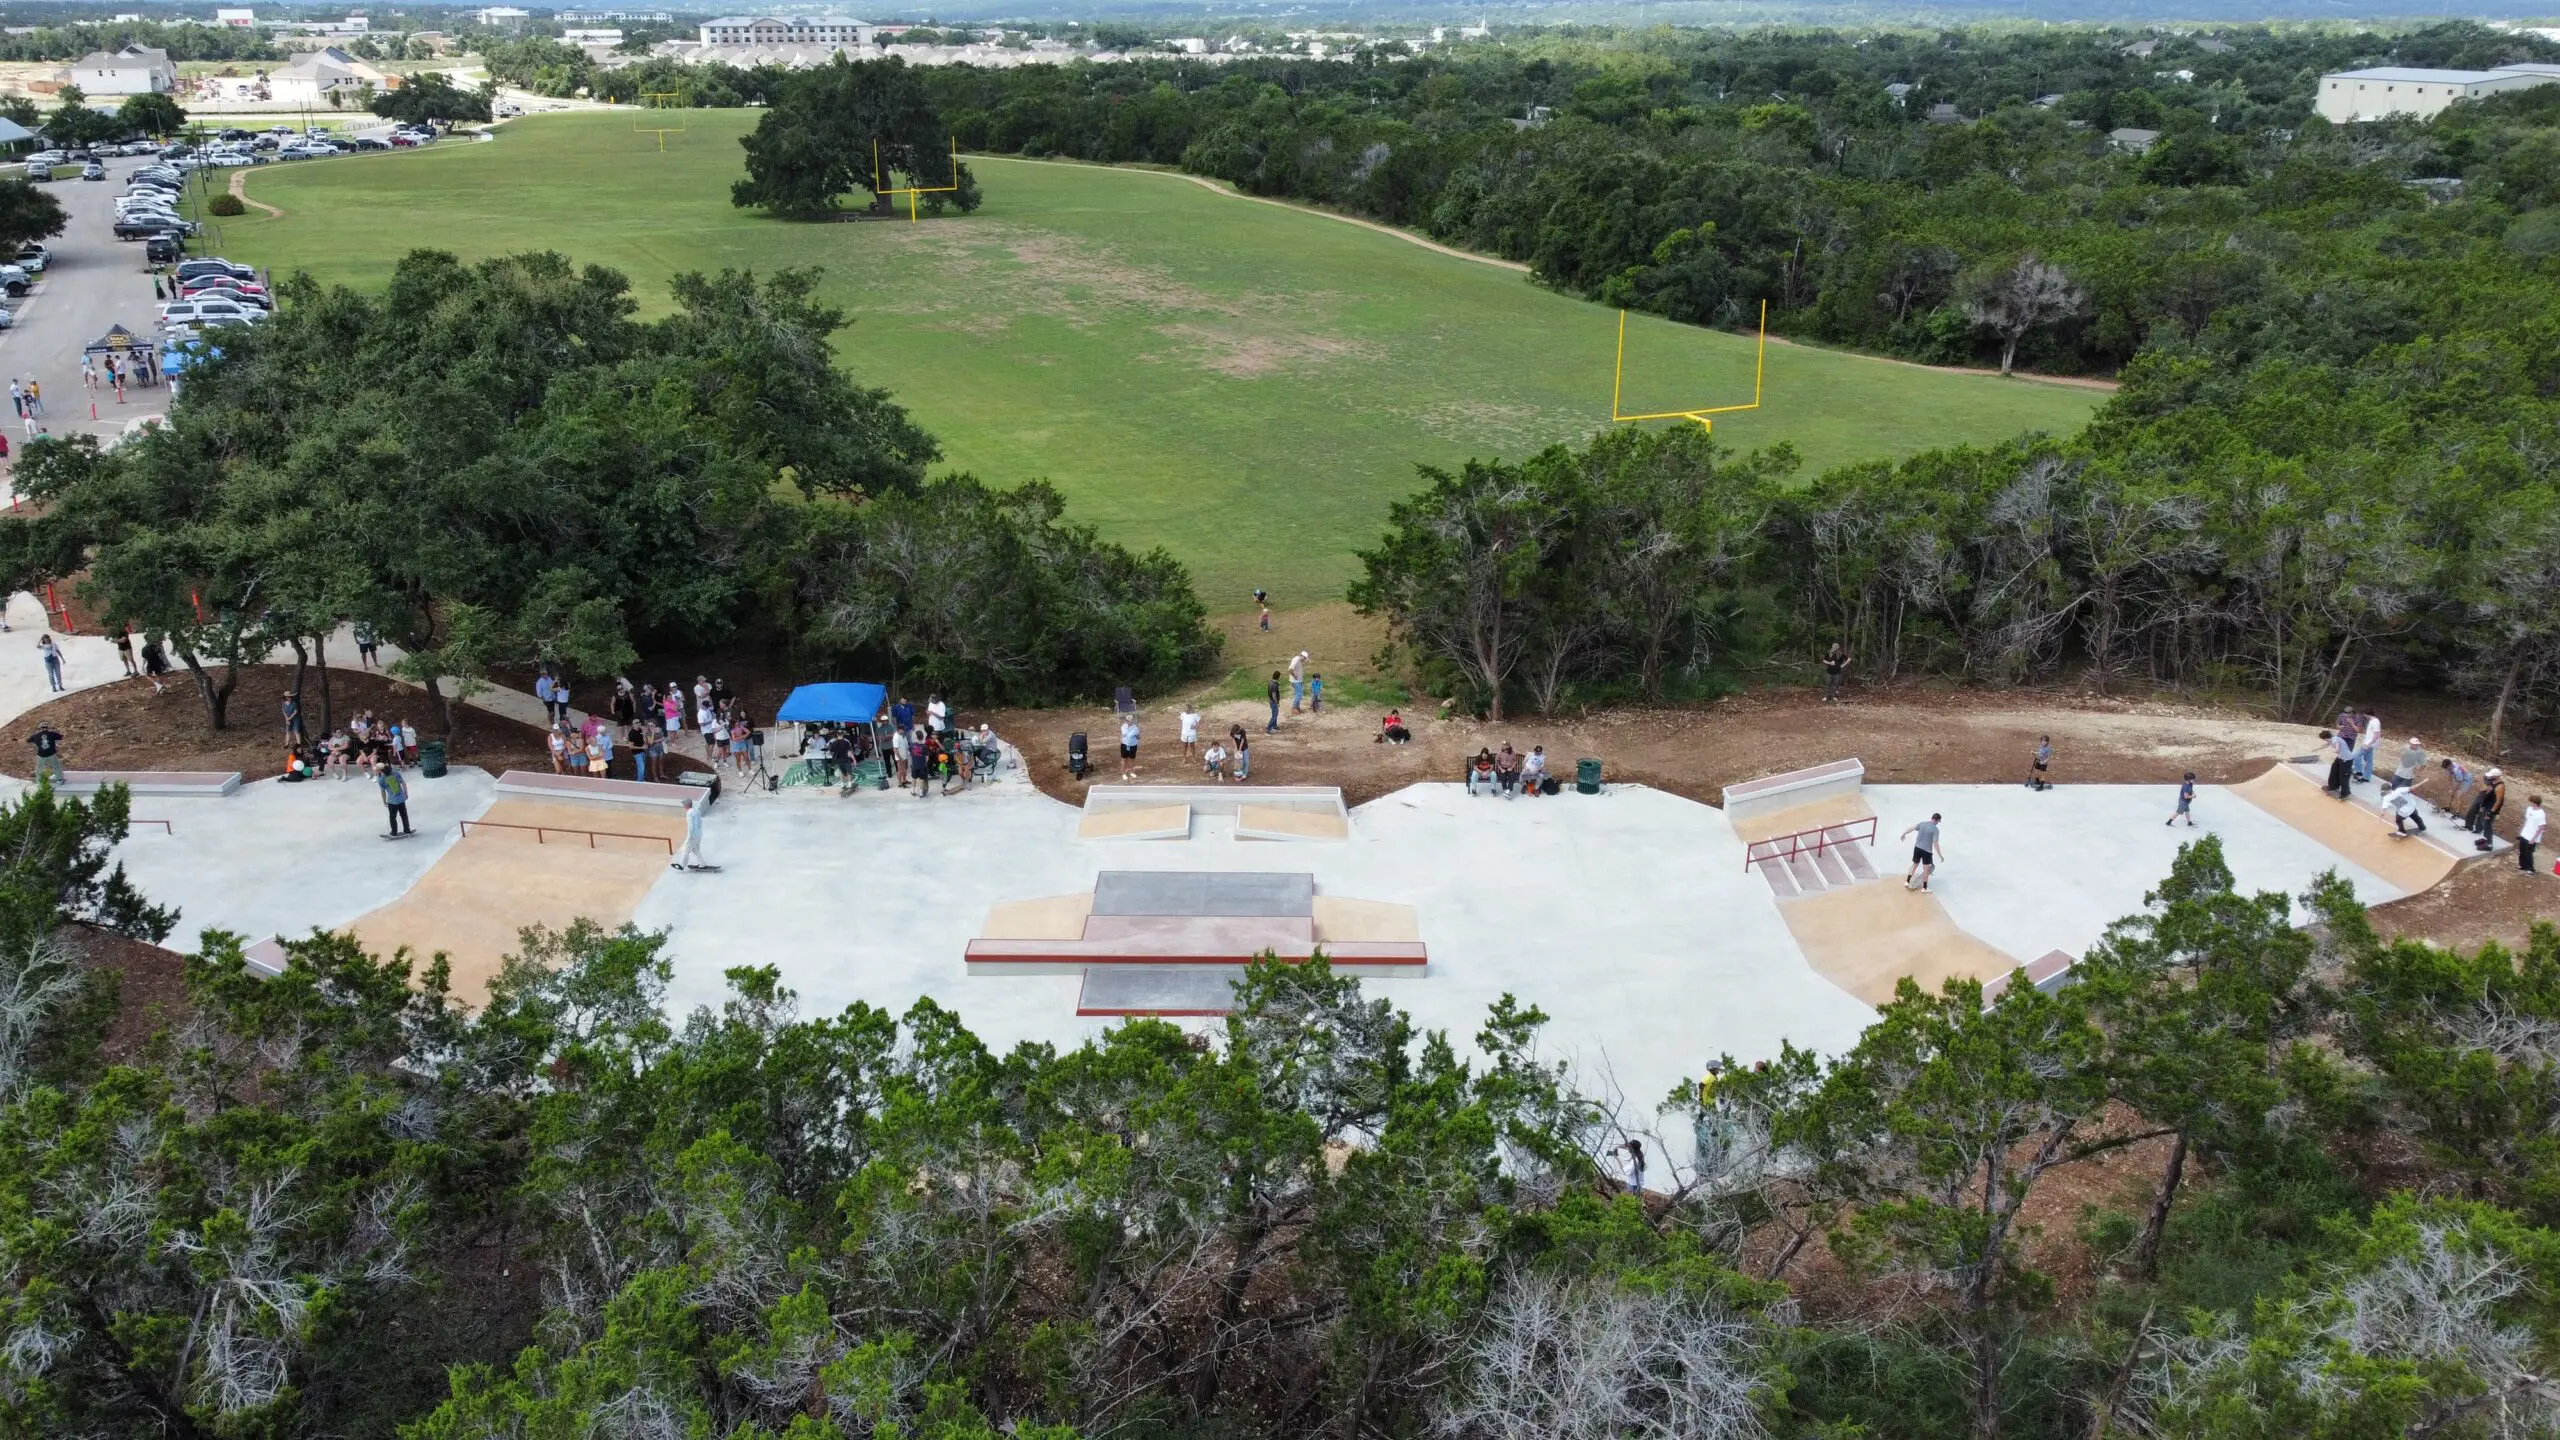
(912, 191)
(655, 105)
(1617, 381)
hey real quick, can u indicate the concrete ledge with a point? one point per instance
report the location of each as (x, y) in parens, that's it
(1793, 788)
(212, 784)
(1178, 994)
(1216, 799)
(1059, 957)
(589, 790)
(266, 959)
(2047, 972)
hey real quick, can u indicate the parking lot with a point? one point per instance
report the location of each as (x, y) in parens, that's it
(93, 281)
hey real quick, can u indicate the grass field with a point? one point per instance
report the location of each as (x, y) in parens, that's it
(1247, 385)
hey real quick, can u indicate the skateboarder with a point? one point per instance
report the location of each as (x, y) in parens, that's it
(2186, 802)
(2037, 777)
(2402, 805)
(1924, 852)
(690, 858)
(395, 799)
(2342, 751)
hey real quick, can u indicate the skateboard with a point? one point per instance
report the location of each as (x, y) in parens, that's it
(403, 835)
(691, 869)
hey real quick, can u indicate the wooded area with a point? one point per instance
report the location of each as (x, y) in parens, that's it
(335, 1203)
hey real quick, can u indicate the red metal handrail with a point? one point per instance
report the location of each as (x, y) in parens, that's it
(540, 830)
(1817, 840)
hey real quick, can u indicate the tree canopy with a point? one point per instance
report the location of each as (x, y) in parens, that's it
(847, 125)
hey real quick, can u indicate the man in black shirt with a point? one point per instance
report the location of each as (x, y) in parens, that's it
(48, 743)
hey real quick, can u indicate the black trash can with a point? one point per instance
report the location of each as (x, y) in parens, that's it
(1586, 775)
(431, 759)
(1076, 758)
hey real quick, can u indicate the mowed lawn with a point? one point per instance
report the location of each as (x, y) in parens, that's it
(1247, 385)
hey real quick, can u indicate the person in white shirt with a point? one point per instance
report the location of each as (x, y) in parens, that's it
(1128, 747)
(937, 715)
(2364, 751)
(2402, 807)
(1533, 771)
(1297, 681)
(1190, 731)
(1213, 761)
(2529, 834)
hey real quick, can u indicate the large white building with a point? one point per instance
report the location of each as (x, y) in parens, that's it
(2391, 90)
(133, 70)
(732, 32)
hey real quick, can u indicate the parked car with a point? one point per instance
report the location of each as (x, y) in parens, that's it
(208, 312)
(231, 134)
(259, 303)
(34, 258)
(39, 170)
(93, 171)
(143, 227)
(215, 265)
(163, 250)
(187, 288)
(7, 319)
(372, 142)
(400, 140)
(15, 280)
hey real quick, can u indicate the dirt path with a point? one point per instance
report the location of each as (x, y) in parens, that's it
(240, 192)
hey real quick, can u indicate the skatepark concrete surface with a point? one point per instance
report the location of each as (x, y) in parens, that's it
(2032, 871)
(279, 859)
(1627, 917)
(524, 863)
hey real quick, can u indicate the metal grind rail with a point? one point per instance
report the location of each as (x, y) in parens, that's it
(1814, 841)
(539, 831)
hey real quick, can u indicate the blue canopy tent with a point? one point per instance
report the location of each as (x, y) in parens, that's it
(844, 703)
(851, 704)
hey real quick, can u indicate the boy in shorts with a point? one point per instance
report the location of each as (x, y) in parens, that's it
(2186, 802)
(1924, 852)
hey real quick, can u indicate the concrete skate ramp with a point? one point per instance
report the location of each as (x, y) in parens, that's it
(583, 862)
(2355, 833)
(1866, 937)
(1154, 822)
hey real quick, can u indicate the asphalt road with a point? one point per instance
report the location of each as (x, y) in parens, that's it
(95, 281)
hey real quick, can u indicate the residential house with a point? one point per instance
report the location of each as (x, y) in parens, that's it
(312, 77)
(133, 70)
(2133, 141)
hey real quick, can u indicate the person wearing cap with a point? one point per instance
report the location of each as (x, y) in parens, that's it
(2413, 756)
(2483, 819)
(2402, 807)
(2462, 778)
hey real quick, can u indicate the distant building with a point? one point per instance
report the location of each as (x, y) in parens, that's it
(1898, 92)
(501, 17)
(133, 70)
(736, 31)
(2391, 90)
(1944, 113)
(2140, 49)
(2133, 141)
(1190, 45)
(236, 19)
(2046, 102)
(313, 76)
(2211, 46)
(592, 37)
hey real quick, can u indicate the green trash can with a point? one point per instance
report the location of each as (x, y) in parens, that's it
(431, 759)
(1586, 775)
